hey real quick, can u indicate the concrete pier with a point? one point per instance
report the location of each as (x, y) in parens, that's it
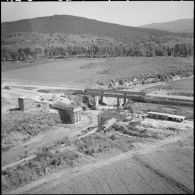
(119, 103)
(125, 100)
(25, 103)
(95, 102)
(101, 99)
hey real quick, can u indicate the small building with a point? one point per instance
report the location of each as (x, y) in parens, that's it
(165, 116)
(69, 114)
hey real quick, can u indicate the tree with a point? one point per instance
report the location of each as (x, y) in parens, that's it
(22, 56)
(15, 55)
(6, 54)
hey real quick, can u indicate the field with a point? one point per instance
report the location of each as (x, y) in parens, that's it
(85, 72)
(183, 87)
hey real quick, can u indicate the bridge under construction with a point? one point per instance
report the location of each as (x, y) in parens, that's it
(99, 94)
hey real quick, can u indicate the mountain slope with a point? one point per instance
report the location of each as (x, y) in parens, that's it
(78, 25)
(182, 25)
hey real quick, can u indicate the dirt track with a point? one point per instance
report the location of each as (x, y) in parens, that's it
(164, 167)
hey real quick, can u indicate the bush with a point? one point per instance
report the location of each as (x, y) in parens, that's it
(143, 82)
(121, 82)
(112, 137)
(84, 108)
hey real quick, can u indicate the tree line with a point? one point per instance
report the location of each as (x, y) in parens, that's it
(21, 54)
(148, 49)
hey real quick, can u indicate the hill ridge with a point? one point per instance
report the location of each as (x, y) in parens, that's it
(78, 25)
(179, 25)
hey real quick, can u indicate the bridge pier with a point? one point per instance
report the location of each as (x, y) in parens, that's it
(125, 100)
(101, 99)
(119, 103)
(95, 102)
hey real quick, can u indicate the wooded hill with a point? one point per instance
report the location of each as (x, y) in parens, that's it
(63, 35)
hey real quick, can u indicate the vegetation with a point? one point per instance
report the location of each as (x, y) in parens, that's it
(28, 126)
(134, 129)
(96, 50)
(64, 36)
(39, 166)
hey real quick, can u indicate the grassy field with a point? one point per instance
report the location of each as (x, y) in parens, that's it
(81, 72)
(185, 85)
(182, 87)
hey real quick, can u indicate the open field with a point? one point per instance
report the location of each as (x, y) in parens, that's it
(186, 85)
(17, 65)
(84, 72)
(183, 87)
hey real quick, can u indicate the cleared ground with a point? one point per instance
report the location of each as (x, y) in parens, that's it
(84, 72)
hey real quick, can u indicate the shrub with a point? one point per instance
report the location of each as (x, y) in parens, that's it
(84, 108)
(113, 137)
(143, 82)
(121, 82)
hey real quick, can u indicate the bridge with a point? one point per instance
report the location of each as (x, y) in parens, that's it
(133, 96)
(120, 95)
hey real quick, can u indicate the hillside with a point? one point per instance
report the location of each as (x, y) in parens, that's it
(78, 25)
(68, 36)
(179, 26)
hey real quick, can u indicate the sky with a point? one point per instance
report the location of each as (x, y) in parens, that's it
(129, 13)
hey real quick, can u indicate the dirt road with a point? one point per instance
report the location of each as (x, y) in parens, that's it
(162, 167)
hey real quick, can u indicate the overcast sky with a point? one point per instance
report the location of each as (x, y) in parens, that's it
(128, 13)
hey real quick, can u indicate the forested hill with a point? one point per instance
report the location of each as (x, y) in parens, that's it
(79, 25)
(68, 36)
